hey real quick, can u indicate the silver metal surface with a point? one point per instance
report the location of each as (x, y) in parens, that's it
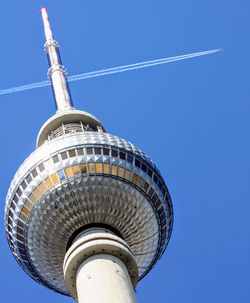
(38, 230)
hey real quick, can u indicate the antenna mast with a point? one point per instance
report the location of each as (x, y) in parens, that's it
(57, 72)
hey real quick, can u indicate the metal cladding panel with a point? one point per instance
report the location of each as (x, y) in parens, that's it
(96, 200)
(80, 179)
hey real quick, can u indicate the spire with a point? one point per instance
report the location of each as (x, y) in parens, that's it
(57, 72)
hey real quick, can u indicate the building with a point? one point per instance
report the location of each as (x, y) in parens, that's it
(87, 214)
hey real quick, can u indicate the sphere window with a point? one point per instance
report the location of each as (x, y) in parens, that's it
(91, 167)
(25, 211)
(48, 182)
(127, 174)
(137, 163)
(122, 155)
(68, 172)
(154, 198)
(42, 188)
(140, 182)
(32, 198)
(150, 173)
(72, 153)
(12, 205)
(61, 174)
(29, 178)
(121, 172)
(89, 151)
(80, 151)
(41, 167)
(24, 185)
(130, 158)
(151, 191)
(155, 179)
(99, 168)
(98, 150)
(134, 178)
(114, 170)
(146, 186)
(83, 168)
(106, 168)
(55, 158)
(114, 153)
(64, 155)
(158, 203)
(34, 173)
(76, 170)
(15, 198)
(144, 167)
(19, 192)
(54, 178)
(106, 152)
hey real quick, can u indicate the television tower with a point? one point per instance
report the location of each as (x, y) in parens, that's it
(87, 214)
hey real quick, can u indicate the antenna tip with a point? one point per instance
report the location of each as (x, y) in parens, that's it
(44, 9)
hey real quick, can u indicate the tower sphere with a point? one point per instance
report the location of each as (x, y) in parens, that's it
(81, 177)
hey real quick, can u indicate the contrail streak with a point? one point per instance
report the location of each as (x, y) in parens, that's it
(109, 71)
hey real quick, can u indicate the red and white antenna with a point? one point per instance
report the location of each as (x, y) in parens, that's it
(57, 73)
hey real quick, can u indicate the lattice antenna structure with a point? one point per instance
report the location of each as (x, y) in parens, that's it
(87, 214)
(57, 72)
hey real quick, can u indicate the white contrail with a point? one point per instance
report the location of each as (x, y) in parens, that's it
(109, 71)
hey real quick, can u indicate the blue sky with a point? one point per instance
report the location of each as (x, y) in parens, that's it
(191, 117)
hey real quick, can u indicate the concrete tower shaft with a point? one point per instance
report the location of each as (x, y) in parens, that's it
(100, 260)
